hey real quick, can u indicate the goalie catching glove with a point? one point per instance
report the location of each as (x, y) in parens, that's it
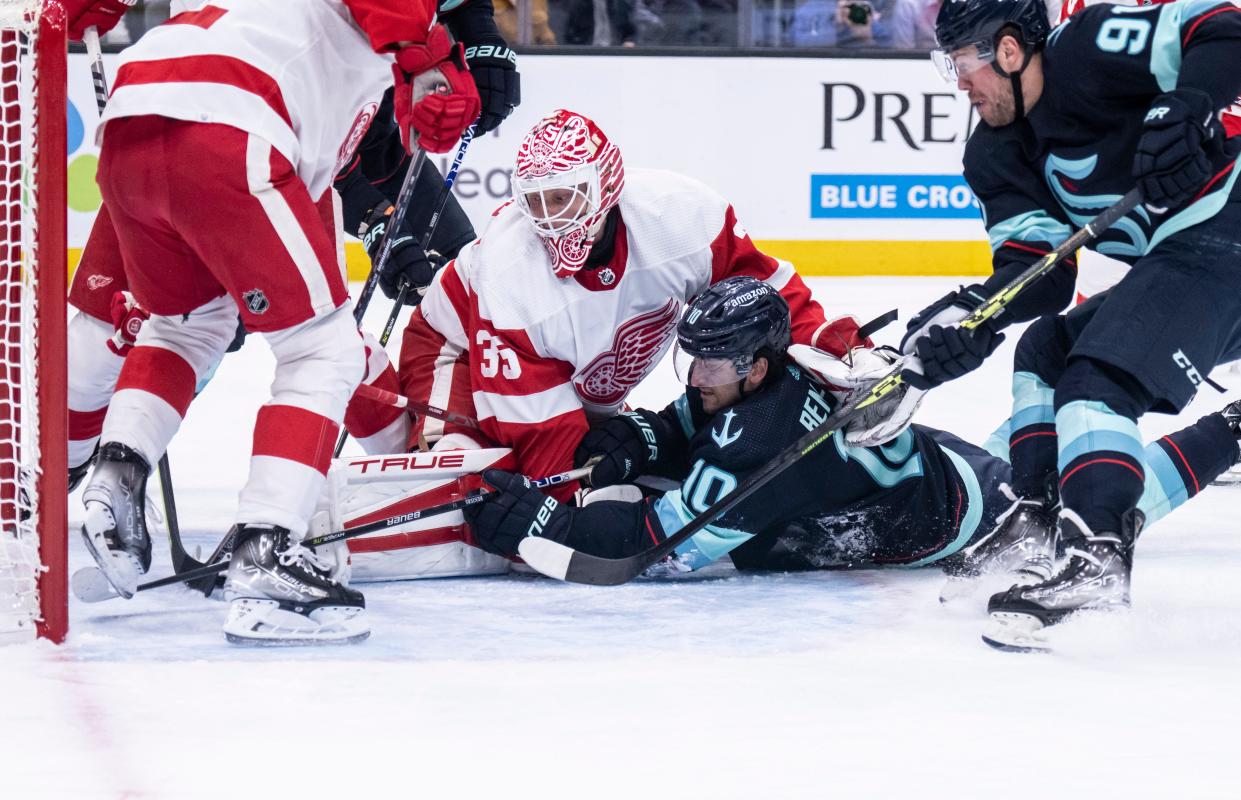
(859, 370)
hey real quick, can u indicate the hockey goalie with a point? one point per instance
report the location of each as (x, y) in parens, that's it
(544, 325)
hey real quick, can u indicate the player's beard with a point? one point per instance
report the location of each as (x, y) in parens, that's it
(1000, 108)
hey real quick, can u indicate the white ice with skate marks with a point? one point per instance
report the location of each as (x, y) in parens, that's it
(844, 684)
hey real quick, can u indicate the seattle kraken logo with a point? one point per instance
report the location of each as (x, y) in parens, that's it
(1082, 208)
(723, 437)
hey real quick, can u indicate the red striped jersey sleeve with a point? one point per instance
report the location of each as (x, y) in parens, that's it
(389, 22)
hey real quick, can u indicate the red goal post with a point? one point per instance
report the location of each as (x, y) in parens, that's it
(33, 274)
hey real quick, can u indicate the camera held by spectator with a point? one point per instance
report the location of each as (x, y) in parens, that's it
(854, 21)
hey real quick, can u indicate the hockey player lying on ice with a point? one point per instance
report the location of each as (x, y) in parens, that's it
(566, 302)
(924, 497)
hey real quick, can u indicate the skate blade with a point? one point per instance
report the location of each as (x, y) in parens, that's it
(1014, 632)
(120, 569)
(962, 588)
(256, 622)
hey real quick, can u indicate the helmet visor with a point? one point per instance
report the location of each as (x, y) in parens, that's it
(961, 62)
(706, 372)
(557, 204)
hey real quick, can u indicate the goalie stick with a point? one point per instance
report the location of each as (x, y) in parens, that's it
(564, 563)
(90, 586)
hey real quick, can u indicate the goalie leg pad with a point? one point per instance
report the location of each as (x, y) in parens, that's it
(370, 488)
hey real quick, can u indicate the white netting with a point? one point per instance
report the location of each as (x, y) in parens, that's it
(20, 565)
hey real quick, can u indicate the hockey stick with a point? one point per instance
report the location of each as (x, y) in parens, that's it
(90, 37)
(440, 203)
(401, 401)
(560, 561)
(181, 560)
(403, 198)
(90, 586)
(404, 288)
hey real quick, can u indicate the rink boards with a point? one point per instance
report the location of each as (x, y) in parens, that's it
(845, 166)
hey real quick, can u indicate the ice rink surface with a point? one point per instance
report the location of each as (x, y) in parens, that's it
(856, 684)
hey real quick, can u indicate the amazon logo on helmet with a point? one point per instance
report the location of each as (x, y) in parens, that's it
(736, 317)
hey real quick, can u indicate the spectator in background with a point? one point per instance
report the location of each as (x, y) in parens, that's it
(506, 20)
(814, 24)
(834, 23)
(902, 25)
(601, 22)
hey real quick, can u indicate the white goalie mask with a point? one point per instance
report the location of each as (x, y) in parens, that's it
(568, 176)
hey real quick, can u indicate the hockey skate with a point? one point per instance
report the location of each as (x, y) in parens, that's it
(1021, 547)
(280, 593)
(1232, 415)
(115, 530)
(1095, 577)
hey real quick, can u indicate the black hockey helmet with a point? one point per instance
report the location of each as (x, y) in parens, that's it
(733, 321)
(961, 24)
(964, 22)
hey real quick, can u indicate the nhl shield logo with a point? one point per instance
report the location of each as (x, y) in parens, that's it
(256, 301)
(606, 276)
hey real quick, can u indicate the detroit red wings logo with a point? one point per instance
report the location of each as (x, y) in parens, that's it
(635, 347)
(356, 132)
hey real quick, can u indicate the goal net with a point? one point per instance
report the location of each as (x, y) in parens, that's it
(32, 320)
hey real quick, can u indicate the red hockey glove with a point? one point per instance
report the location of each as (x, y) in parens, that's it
(434, 93)
(100, 14)
(127, 318)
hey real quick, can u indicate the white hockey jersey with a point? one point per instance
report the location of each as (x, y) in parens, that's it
(305, 75)
(535, 357)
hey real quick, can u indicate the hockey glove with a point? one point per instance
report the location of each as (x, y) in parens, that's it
(494, 67)
(99, 14)
(1180, 136)
(626, 444)
(858, 371)
(407, 262)
(127, 318)
(514, 511)
(434, 95)
(944, 350)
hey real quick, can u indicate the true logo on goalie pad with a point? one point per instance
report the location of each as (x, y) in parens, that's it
(256, 301)
(414, 461)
